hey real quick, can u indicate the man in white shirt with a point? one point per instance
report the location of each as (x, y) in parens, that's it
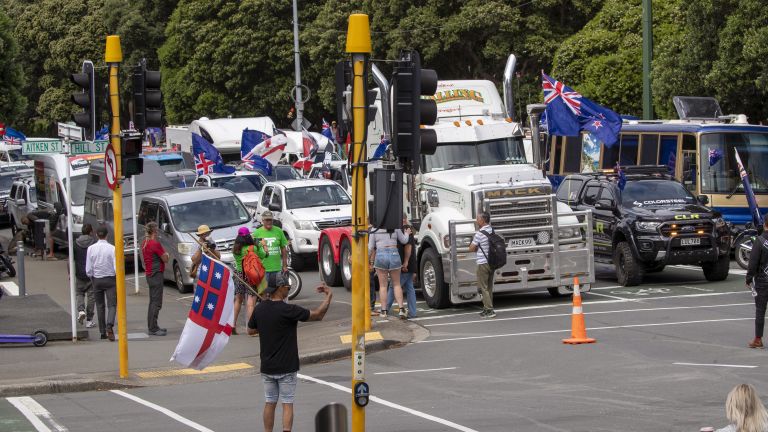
(100, 267)
(481, 246)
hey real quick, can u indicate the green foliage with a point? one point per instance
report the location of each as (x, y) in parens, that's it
(12, 100)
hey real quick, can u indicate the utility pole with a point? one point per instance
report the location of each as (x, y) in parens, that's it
(359, 46)
(113, 56)
(298, 99)
(647, 60)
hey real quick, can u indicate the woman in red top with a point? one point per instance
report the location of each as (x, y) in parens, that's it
(155, 258)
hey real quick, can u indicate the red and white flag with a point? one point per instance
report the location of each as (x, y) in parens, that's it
(211, 318)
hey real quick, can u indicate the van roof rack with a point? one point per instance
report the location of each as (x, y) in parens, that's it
(633, 170)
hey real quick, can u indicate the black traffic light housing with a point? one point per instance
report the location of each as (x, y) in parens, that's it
(87, 99)
(147, 98)
(131, 162)
(410, 111)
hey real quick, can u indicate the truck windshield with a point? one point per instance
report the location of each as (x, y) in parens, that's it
(723, 175)
(240, 184)
(467, 154)
(316, 196)
(170, 165)
(654, 193)
(78, 188)
(216, 213)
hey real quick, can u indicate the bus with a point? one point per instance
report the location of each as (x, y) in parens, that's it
(684, 146)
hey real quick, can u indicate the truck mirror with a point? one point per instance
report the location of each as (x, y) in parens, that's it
(704, 199)
(165, 227)
(21, 201)
(432, 198)
(274, 207)
(605, 204)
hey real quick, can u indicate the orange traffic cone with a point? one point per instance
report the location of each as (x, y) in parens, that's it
(578, 329)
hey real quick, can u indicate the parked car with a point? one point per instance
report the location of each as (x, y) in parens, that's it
(335, 170)
(22, 200)
(648, 222)
(179, 212)
(246, 185)
(303, 208)
(281, 172)
(7, 179)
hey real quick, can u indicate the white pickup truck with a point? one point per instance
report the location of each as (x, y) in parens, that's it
(303, 208)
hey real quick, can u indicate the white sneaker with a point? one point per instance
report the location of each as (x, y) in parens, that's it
(81, 317)
(90, 324)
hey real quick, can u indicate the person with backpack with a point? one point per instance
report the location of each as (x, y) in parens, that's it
(155, 258)
(757, 282)
(492, 255)
(247, 257)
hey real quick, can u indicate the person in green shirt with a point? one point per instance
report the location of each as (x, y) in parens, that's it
(242, 244)
(277, 261)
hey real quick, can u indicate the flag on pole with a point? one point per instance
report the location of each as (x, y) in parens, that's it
(381, 149)
(327, 131)
(211, 318)
(12, 136)
(259, 151)
(207, 157)
(754, 210)
(568, 113)
(714, 156)
(672, 163)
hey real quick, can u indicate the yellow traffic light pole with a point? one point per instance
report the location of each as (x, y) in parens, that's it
(359, 45)
(113, 57)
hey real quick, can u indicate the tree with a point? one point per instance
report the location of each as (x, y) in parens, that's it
(12, 100)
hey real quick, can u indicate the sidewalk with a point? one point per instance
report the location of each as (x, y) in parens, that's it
(93, 364)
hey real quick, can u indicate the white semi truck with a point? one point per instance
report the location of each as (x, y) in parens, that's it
(480, 164)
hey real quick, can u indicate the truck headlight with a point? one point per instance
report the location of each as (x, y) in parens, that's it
(647, 226)
(185, 248)
(304, 225)
(567, 232)
(77, 219)
(461, 241)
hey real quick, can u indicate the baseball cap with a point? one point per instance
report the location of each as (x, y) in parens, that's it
(275, 281)
(244, 231)
(266, 215)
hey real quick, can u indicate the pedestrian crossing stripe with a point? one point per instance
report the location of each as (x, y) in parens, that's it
(180, 372)
(370, 336)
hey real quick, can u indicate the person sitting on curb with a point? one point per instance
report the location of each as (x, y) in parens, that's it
(745, 411)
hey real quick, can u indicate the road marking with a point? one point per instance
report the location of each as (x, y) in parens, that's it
(587, 313)
(730, 271)
(716, 365)
(370, 336)
(590, 328)
(179, 372)
(393, 405)
(40, 418)
(697, 288)
(613, 297)
(166, 411)
(623, 300)
(415, 370)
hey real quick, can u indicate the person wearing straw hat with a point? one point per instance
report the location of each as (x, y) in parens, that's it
(203, 234)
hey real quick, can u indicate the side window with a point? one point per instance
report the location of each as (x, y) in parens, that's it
(569, 190)
(14, 190)
(590, 194)
(277, 198)
(607, 194)
(162, 218)
(147, 212)
(201, 182)
(265, 195)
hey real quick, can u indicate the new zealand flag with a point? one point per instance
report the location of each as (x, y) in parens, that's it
(207, 157)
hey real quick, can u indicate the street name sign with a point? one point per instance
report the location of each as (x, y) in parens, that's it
(88, 147)
(41, 147)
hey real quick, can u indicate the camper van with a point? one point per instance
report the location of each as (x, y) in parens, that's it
(50, 171)
(98, 199)
(179, 167)
(225, 134)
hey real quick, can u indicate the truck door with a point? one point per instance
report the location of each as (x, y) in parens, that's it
(266, 195)
(605, 220)
(588, 201)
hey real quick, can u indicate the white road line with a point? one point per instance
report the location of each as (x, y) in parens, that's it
(623, 300)
(166, 411)
(40, 418)
(698, 269)
(610, 296)
(716, 365)
(486, 321)
(386, 403)
(415, 370)
(590, 328)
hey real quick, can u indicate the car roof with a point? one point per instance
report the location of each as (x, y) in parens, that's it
(186, 195)
(234, 174)
(290, 184)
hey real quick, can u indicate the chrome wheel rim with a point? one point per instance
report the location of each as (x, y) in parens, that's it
(327, 259)
(293, 282)
(429, 279)
(179, 282)
(744, 252)
(346, 264)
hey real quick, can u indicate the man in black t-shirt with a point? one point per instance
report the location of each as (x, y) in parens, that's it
(275, 321)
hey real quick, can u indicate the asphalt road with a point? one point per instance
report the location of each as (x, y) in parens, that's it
(667, 353)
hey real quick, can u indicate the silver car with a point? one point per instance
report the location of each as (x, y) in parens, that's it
(246, 185)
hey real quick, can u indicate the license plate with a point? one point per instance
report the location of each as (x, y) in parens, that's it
(521, 242)
(690, 241)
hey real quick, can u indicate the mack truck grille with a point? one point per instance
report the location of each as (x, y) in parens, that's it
(505, 216)
(333, 223)
(702, 227)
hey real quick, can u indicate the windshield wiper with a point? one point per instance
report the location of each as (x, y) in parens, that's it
(733, 191)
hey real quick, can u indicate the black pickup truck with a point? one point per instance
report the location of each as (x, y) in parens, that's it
(645, 220)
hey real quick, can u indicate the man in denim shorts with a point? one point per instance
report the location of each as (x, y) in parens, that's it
(275, 321)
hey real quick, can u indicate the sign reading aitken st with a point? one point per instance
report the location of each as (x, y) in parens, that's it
(38, 147)
(88, 147)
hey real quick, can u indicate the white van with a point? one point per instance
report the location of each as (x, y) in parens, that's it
(50, 187)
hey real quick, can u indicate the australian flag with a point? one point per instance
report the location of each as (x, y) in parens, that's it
(754, 210)
(12, 136)
(714, 156)
(207, 158)
(211, 318)
(568, 113)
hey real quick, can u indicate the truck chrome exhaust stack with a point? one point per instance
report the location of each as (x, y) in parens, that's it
(509, 94)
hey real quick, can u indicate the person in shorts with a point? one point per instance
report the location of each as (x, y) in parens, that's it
(275, 322)
(382, 248)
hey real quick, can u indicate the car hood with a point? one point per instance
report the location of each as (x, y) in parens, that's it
(675, 211)
(483, 177)
(249, 198)
(322, 213)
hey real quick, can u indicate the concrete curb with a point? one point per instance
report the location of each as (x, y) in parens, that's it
(60, 386)
(345, 352)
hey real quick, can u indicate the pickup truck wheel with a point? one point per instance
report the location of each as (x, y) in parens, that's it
(180, 280)
(628, 271)
(345, 264)
(718, 270)
(433, 286)
(328, 267)
(554, 292)
(14, 228)
(295, 260)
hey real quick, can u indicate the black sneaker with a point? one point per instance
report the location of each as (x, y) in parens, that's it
(159, 332)
(490, 313)
(483, 313)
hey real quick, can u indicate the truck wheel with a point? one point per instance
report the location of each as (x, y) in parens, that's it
(433, 286)
(718, 270)
(180, 280)
(345, 264)
(742, 251)
(628, 271)
(329, 268)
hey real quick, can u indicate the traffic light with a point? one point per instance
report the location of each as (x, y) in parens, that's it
(86, 98)
(147, 98)
(131, 161)
(410, 111)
